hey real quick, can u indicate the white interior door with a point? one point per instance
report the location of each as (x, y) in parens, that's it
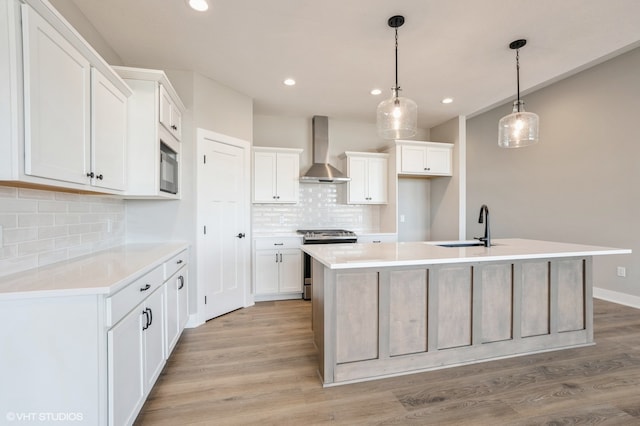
(223, 219)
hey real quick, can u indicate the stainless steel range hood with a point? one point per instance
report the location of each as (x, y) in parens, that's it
(321, 171)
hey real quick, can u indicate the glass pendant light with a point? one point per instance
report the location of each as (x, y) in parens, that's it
(397, 117)
(520, 128)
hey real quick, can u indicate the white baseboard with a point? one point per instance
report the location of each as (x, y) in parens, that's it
(617, 297)
(193, 321)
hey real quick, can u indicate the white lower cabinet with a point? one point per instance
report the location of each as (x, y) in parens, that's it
(177, 314)
(277, 268)
(126, 379)
(92, 352)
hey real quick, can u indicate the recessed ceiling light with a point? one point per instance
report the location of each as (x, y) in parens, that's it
(376, 92)
(447, 100)
(289, 82)
(199, 5)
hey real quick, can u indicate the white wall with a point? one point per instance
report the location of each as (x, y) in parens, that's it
(79, 21)
(445, 191)
(211, 106)
(579, 183)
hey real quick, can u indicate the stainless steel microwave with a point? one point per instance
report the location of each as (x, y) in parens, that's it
(168, 169)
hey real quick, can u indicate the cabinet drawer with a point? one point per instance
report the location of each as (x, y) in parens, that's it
(277, 243)
(175, 263)
(126, 299)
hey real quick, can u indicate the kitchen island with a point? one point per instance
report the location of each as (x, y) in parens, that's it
(387, 309)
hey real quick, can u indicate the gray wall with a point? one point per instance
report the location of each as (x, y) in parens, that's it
(445, 191)
(579, 184)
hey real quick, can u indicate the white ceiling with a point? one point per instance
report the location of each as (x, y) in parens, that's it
(338, 50)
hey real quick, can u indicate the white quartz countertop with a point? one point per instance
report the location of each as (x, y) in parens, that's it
(347, 256)
(103, 272)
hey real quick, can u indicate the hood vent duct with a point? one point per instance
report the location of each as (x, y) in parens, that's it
(321, 171)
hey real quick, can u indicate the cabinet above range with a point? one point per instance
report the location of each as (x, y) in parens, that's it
(276, 173)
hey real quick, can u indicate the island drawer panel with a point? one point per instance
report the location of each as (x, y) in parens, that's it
(497, 306)
(571, 294)
(126, 299)
(408, 312)
(534, 317)
(357, 315)
(453, 300)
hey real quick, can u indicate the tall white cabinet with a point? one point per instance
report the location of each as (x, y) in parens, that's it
(154, 117)
(65, 107)
(276, 175)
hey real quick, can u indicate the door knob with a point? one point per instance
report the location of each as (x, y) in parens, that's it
(240, 235)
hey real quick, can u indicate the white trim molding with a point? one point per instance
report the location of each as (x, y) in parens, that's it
(617, 297)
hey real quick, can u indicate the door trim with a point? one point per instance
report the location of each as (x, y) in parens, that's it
(202, 137)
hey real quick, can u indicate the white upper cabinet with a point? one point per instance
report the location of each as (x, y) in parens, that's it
(152, 109)
(57, 84)
(424, 158)
(369, 177)
(276, 175)
(170, 115)
(108, 133)
(66, 107)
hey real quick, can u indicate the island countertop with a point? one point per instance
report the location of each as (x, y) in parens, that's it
(349, 256)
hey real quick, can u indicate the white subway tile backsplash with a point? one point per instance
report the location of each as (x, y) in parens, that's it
(318, 207)
(52, 206)
(18, 205)
(20, 235)
(28, 220)
(35, 194)
(43, 227)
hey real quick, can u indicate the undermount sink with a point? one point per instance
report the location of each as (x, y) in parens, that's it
(462, 244)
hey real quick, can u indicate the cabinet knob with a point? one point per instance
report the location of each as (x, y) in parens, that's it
(179, 262)
(240, 235)
(99, 177)
(146, 287)
(427, 168)
(90, 174)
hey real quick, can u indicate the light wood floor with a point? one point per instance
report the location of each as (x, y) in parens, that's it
(258, 366)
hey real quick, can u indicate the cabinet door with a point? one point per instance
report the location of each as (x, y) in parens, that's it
(358, 191)
(266, 271)
(153, 338)
(108, 133)
(413, 159)
(377, 180)
(264, 177)
(439, 160)
(125, 364)
(57, 95)
(165, 108)
(290, 271)
(183, 300)
(176, 121)
(176, 308)
(171, 312)
(287, 178)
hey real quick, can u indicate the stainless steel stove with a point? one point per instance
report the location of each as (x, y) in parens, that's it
(328, 236)
(321, 236)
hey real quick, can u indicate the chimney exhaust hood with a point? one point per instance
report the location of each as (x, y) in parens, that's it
(321, 171)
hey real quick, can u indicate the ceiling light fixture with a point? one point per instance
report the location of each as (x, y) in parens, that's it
(520, 128)
(376, 92)
(447, 100)
(199, 5)
(397, 117)
(289, 82)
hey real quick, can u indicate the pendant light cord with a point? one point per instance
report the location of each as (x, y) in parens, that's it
(518, 75)
(397, 88)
